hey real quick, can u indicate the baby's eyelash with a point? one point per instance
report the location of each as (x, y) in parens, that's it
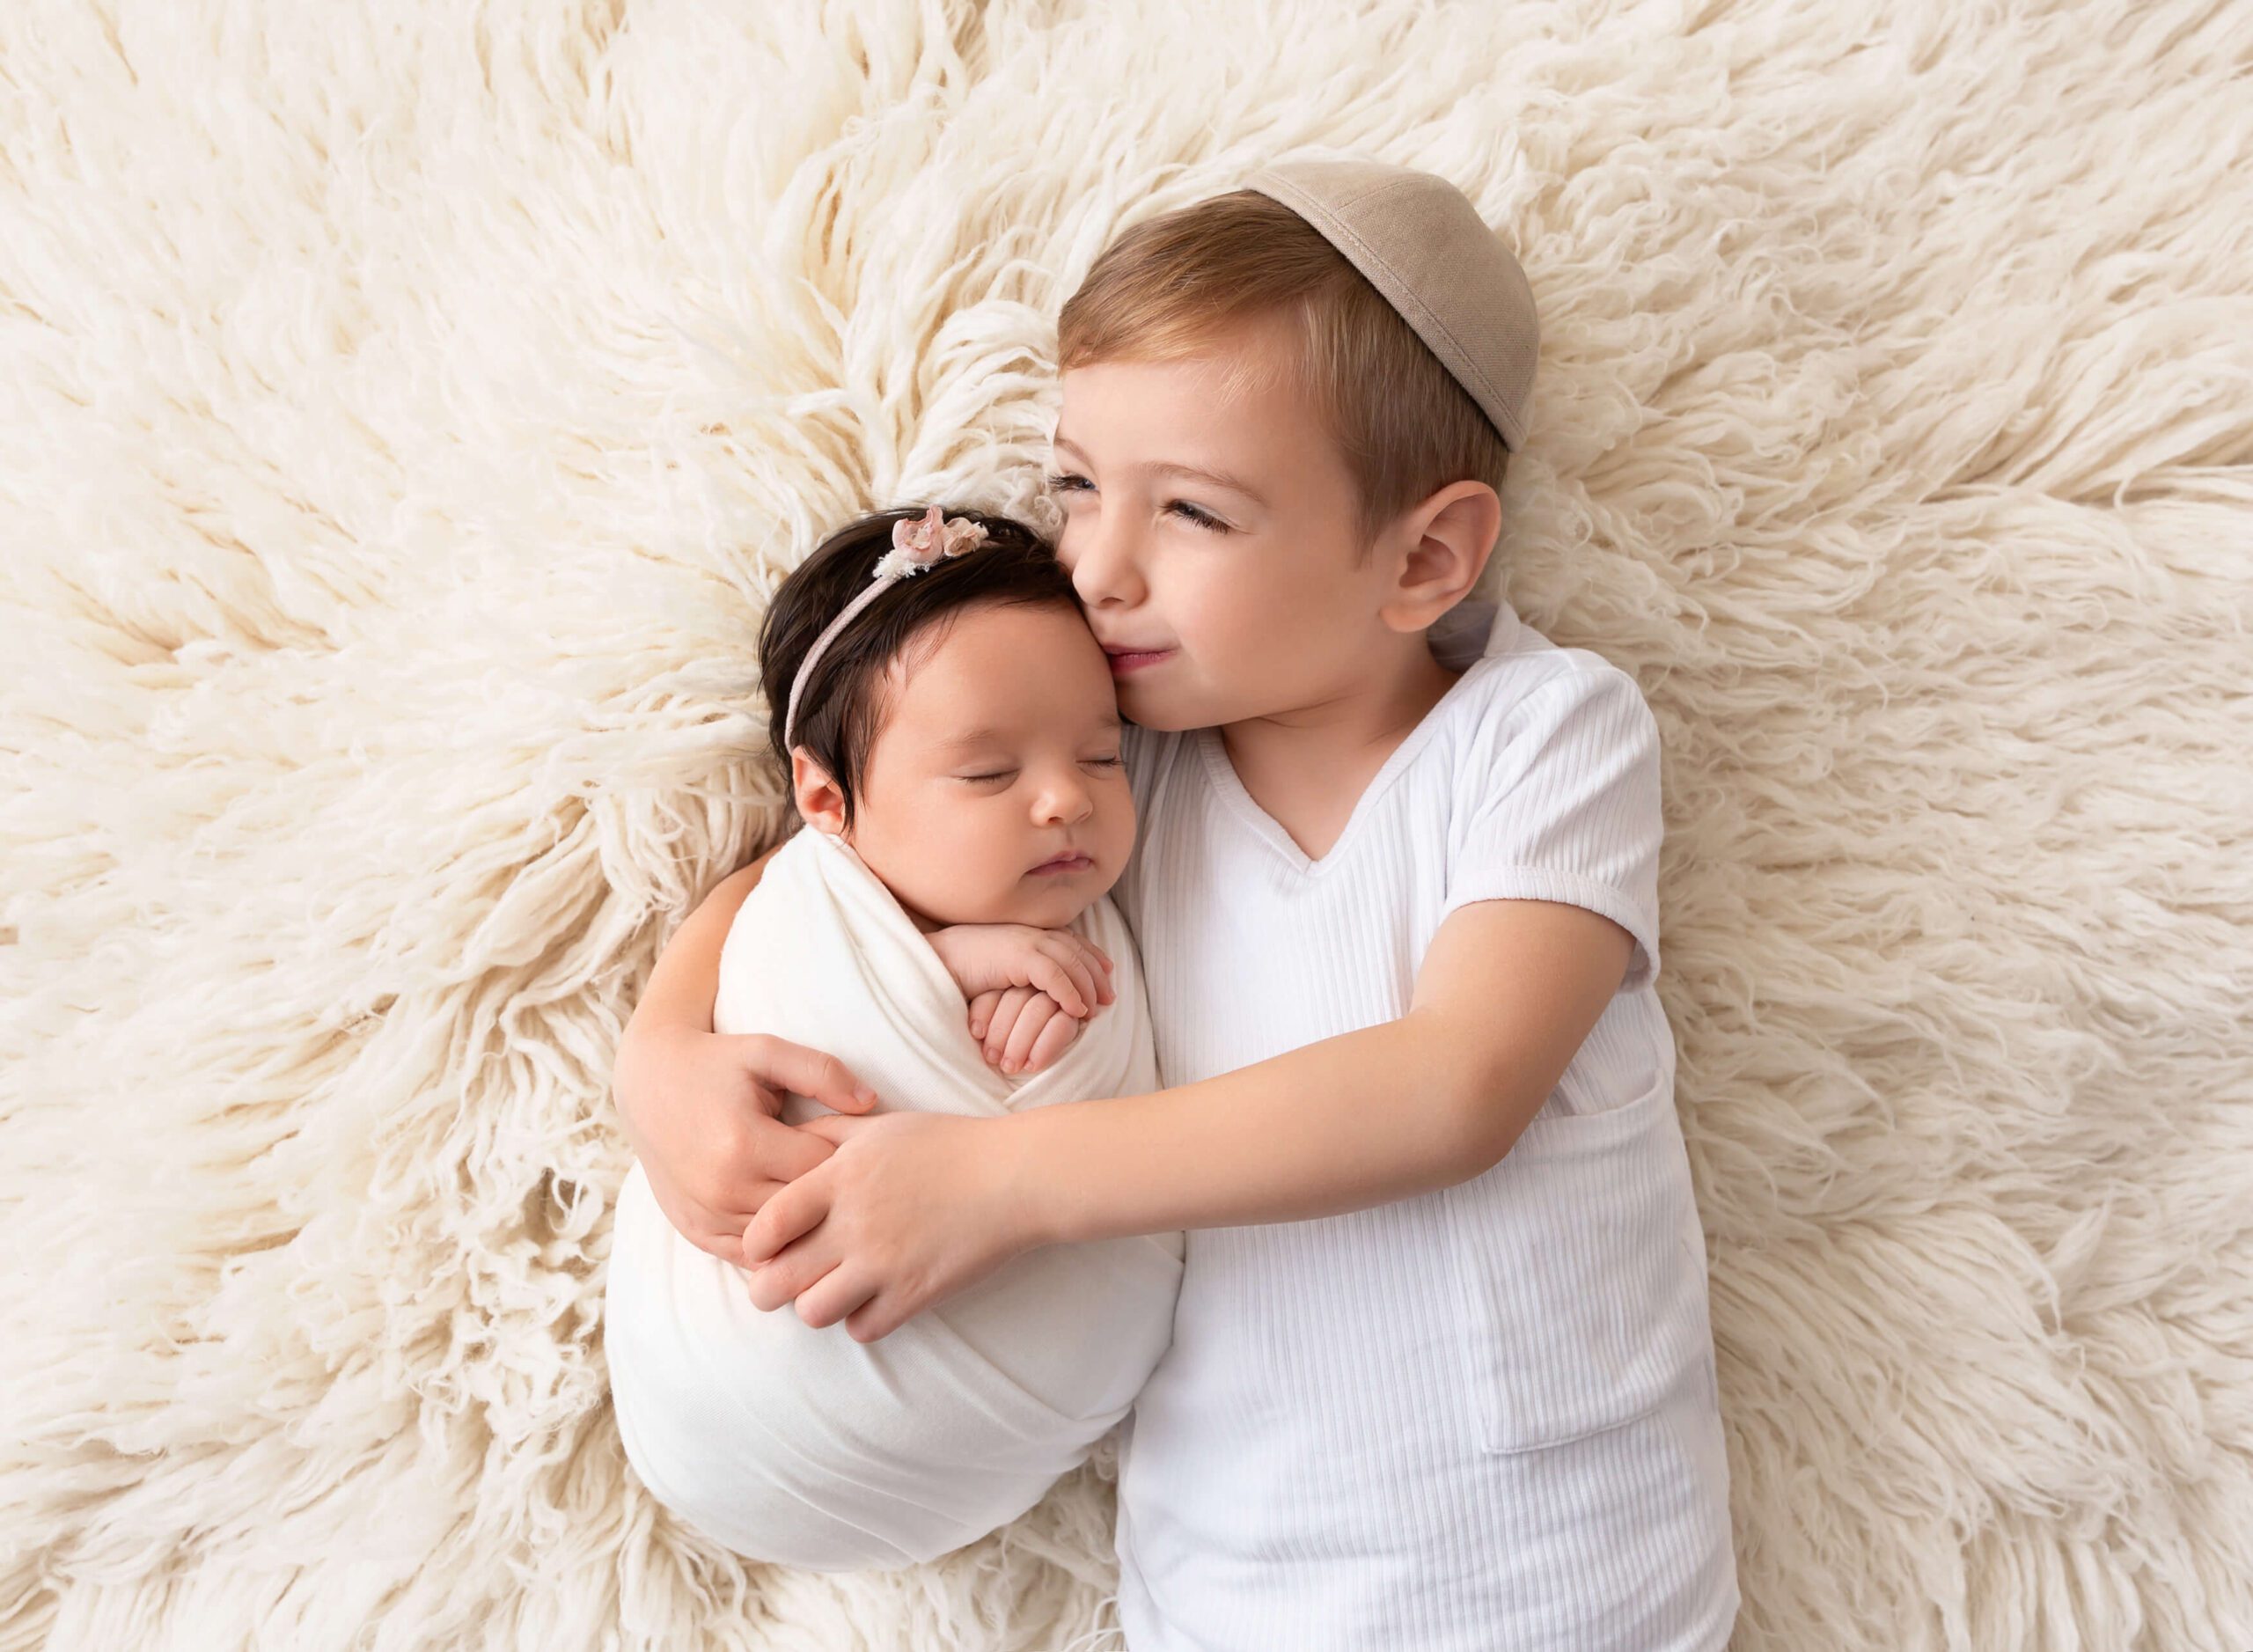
(1004, 774)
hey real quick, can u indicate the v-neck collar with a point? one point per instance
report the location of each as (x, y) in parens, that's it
(1231, 787)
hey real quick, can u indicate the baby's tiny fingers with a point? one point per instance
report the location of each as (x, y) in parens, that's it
(1071, 952)
(1036, 1016)
(1005, 1015)
(1055, 1039)
(1098, 981)
(1099, 972)
(1056, 980)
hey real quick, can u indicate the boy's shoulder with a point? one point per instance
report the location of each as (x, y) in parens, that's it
(1521, 677)
(1555, 736)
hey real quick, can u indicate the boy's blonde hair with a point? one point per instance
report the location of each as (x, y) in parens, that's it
(1171, 287)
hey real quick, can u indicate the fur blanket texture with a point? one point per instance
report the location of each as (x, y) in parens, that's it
(408, 408)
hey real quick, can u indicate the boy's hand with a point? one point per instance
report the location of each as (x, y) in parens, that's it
(701, 1111)
(1075, 973)
(1023, 1031)
(910, 1209)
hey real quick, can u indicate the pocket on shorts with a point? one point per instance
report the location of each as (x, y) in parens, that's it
(1580, 1274)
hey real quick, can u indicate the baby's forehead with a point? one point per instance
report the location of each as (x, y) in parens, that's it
(971, 691)
(995, 719)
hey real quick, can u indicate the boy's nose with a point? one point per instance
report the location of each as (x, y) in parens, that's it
(1103, 568)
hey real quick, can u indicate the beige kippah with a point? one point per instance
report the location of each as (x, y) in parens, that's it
(1423, 246)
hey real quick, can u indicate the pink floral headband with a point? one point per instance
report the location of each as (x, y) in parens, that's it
(917, 543)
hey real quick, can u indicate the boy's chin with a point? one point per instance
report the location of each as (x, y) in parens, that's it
(1153, 712)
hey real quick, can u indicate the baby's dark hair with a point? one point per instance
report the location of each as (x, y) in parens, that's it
(843, 705)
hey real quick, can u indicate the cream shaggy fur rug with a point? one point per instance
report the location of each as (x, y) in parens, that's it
(407, 409)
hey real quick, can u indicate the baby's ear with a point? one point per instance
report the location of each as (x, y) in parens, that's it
(821, 805)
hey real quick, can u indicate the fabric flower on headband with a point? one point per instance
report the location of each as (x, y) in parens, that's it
(919, 541)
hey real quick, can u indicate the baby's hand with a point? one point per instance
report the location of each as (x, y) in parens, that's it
(1072, 974)
(1023, 1031)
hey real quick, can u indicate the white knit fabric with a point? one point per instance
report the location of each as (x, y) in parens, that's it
(410, 408)
(795, 1443)
(1483, 1418)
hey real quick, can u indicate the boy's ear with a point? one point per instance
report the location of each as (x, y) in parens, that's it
(1448, 538)
(820, 804)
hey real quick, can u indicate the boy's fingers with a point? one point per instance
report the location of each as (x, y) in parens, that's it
(782, 1152)
(743, 1178)
(870, 1322)
(716, 1232)
(779, 1064)
(789, 1213)
(829, 1298)
(836, 1129)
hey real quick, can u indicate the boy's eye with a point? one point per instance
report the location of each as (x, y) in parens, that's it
(1106, 762)
(1069, 481)
(998, 774)
(1203, 518)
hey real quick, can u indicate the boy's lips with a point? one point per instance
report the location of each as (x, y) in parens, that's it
(1124, 659)
(1072, 863)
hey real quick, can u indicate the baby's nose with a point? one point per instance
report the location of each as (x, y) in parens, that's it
(1066, 801)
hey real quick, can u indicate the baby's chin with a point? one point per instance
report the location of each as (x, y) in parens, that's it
(1046, 903)
(1055, 902)
(1057, 909)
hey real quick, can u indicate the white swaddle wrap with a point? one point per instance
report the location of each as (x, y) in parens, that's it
(799, 1445)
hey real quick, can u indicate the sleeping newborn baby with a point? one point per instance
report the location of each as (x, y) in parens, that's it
(955, 743)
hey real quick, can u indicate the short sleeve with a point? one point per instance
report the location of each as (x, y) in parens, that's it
(1560, 801)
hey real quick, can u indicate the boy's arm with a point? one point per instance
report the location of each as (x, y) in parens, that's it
(1507, 993)
(686, 979)
(701, 1111)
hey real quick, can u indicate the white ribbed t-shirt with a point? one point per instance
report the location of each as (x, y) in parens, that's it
(1480, 1418)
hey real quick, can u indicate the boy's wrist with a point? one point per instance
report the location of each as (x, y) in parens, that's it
(1037, 1198)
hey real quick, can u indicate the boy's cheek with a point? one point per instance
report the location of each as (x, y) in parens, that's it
(1161, 713)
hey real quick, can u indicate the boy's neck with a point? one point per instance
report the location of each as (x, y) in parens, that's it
(1343, 740)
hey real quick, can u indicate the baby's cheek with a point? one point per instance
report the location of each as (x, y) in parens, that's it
(966, 871)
